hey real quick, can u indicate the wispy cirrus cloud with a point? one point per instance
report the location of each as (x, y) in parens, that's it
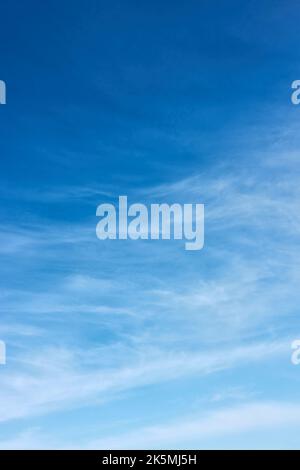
(60, 378)
(191, 432)
(187, 432)
(156, 314)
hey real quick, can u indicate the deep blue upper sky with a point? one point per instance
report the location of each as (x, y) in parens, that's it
(120, 83)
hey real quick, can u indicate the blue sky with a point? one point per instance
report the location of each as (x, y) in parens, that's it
(141, 344)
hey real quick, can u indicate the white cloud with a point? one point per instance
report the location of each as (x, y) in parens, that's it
(188, 432)
(59, 378)
(257, 416)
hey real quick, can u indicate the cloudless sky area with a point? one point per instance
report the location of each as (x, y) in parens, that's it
(123, 344)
